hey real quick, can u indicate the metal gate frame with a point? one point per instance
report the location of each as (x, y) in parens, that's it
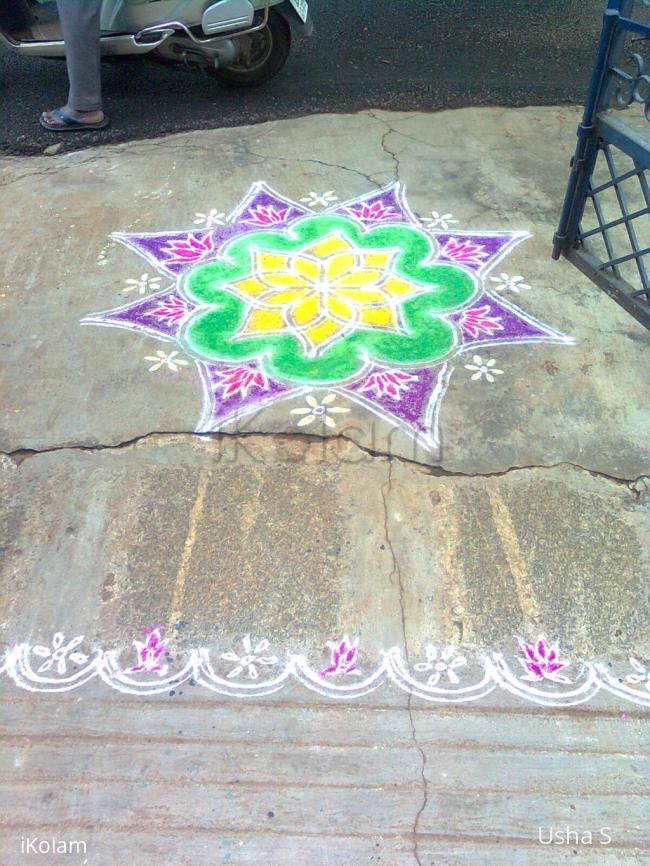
(619, 81)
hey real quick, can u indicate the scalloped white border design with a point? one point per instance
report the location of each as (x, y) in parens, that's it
(592, 678)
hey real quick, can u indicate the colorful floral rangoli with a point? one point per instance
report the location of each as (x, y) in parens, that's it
(362, 300)
(251, 668)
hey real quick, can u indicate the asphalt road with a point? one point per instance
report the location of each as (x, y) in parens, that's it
(395, 54)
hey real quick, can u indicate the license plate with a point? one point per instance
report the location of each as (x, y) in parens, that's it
(302, 8)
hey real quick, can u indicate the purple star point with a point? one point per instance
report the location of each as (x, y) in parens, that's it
(412, 403)
(490, 321)
(160, 315)
(233, 392)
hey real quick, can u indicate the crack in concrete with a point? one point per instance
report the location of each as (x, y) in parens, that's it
(385, 493)
(75, 159)
(391, 153)
(183, 142)
(425, 784)
(292, 160)
(396, 572)
(19, 455)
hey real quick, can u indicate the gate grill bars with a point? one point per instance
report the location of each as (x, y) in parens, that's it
(605, 224)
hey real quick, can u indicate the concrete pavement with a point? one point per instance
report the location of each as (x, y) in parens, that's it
(302, 563)
(556, 404)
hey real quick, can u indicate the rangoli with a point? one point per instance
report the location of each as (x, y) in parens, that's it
(359, 303)
(539, 672)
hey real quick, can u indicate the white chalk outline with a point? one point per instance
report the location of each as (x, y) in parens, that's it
(495, 674)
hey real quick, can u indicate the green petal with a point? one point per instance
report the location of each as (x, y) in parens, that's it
(210, 334)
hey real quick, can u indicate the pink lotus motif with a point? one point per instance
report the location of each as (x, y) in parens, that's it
(241, 380)
(542, 662)
(390, 383)
(193, 249)
(343, 658)
(267, 216)
(477, 322)
(171, 310)
(149, 652)
(375, 212)
(465, 252)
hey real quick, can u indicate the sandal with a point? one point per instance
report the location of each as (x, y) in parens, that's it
(68, 122)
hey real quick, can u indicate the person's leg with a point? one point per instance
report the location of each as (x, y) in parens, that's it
(80, 26)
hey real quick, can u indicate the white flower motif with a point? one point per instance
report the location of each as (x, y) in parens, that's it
(642, 675)
(60, 653)
(441, 663)
(210, 219)
(323, 199)
(483, 369)
(315, 410)
(163, 359)
(508, 283)
(250, 659)
(439, 220)
(143, 284)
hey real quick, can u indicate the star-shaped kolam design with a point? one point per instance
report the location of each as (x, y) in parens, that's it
(321, 294)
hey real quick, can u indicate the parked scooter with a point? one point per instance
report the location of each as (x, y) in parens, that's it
(239, 42)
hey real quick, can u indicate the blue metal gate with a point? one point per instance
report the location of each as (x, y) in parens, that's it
(605, 225)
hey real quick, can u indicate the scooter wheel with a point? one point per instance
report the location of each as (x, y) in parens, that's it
(263, 56)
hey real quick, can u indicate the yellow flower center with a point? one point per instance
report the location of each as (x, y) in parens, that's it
(323, 292)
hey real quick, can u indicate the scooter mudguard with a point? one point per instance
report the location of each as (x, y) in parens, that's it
(288, 12)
